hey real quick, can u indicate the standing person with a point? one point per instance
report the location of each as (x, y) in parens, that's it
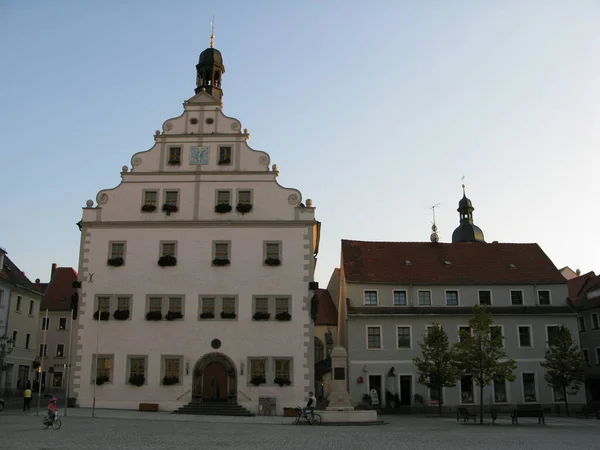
(26, 398)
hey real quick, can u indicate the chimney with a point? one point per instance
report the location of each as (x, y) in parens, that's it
(52, 271)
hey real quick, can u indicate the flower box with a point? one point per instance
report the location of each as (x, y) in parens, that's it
(223, 208)
(259, 315)
(153, 315)
(76, 284)
(121, 314)
(137, 379)
(220, 262)
(168, 208)
(283, 316)
(228, 315)
(101, 380)
(272, 262)
(169, 381)
(207, 315)
(174, 162)
(104, 315)
(243, 208)
(282, 381)
(257, 380)
(115, 262)
(172, 315)
(167, 260)
(149, 208)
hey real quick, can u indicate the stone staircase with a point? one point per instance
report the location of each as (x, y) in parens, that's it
(201, 408)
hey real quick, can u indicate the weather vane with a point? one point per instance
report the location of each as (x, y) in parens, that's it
(212, 32)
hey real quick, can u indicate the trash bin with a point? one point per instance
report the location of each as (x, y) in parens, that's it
(266, 405)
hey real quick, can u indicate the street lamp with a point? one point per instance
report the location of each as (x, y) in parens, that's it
(6, 348)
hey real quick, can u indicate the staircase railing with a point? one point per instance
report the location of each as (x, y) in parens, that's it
(185, 393)
(242, 392)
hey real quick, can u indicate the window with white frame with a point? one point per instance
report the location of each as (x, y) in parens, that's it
(228, 305)
(403, 333)
(223, 197)
(15, 337)
(43, 350)
(168, 249)
(485, 298)
(516, 297)
(525, 336)
(171, 198)
(244, 197)
(282, 305)
(272, 251)
(176, 305)
(581, 323)
(104, 365)
(104, 304)
(151, 198)
(467, 392)
(60, 350)
(123, 303)
(500, 391)
(424, 298)
(224, 155)
(19, 301)
(31, 307)
(117, 250)
(221, 251)
(543, 297)
(496, 333)
(529, 391)
(172, 366)
(594, 321)
(552, 333)
(174, 156)
(45, 323)
(282, 368)
(400, 298)
(208, 305)
(27, 341)
(62, 323)
(155, 304)
(374, 338)
(258, 367)
(452, 298)
(370, 298)
(137, 366)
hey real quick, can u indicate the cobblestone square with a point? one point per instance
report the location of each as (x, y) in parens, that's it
(132, 430)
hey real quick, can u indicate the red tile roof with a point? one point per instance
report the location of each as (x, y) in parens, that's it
(58, 293)
(459, 263)
(10, 273)
(326, 311)
(577, 286)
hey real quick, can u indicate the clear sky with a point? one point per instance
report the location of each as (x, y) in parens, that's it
(375, 110)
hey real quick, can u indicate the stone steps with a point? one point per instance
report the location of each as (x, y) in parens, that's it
(213, 409)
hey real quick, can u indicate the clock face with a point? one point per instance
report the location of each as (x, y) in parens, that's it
(199, 156)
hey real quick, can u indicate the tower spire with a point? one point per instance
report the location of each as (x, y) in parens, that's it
(212, 32)
(210, 68)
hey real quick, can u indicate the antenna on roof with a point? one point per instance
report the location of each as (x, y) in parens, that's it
(434, 236)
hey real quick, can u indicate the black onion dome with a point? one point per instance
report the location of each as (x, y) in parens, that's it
(211, 56)
(468, 232)
(465, 203)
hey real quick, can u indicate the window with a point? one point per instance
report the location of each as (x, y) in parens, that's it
(19, 301)
(272, 250)
(581, 323)
(281, 305)
(525, 336)
(586, 357)
(428, 328)
(258, 368)
(403, 337)
(174, 155)
(123, 303)
(282, 368)
(370, 298)
(466, 390)
(221, 250)
(462, 330)
(60, 350)
(244, 197)
(485, 298)
(500, 391)
(137, 366)
(175, 305)
(597, 356)
(172, 367)
(223, 197)
(228, 306)
(452, 298)
(558, 393)
(43, 350)
(552, 333)
(171, 197)
(27, 341)
(15, 337)
(374, 338)
(103, 367)
(104, 304)
(529, 394)
(424, 298)
(57, 379)
(516, 297)
(45, 323)
(261, 304)
(208, 305)
(594, 321)
(31, 307)
(62, 323)
(224, 155)
(544, 297)
(155, 304)
(168, 248)
(117, 250)
(399, 298)
(496, 333)
(150, 198)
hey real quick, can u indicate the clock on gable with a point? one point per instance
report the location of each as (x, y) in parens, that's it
(199, 156)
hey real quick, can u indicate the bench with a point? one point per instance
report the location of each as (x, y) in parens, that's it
(153, 407)
(528, 411)
(465, 415)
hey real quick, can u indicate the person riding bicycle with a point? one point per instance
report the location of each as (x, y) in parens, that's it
(52, 409)
(310, 405)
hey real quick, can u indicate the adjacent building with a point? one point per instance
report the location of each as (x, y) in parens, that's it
(198, 265)
(325, 330)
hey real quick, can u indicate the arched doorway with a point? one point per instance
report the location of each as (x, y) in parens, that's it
(215, 378)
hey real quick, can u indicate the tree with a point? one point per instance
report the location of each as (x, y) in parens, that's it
(437, 369)
(480, 354)
(564, 364)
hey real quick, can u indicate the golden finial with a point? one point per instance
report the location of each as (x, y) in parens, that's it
(463, 185)
(212, 32)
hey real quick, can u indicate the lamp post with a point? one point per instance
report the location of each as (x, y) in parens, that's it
(6, 348)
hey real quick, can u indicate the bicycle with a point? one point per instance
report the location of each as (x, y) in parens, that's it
(310, 418)
(55, 424)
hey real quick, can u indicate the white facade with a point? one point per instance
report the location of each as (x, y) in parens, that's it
(187, 345)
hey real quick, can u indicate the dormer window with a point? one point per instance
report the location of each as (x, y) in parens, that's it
(174, 156)
(407, 263)
(512, 266)
(447, 263)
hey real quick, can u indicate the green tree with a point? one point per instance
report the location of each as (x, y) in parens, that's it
(437, 368)
(564, 364)
(480, 354)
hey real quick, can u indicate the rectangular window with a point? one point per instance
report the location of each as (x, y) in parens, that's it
(403, 337)
(168, 249)
(123, 303)
(104, 304)
(224, 155)
(19, 301)
(370, 298)
(485, 298)
(221, 250)
(155, 304)
(245, 197)
(172, 367)
(176, 304)
(62, 323)
(544, 297)
(496, 333)
(261, 304)
(45, 323)
(208, 305)
(258, 368)
(424, 298)
(452, 298)
(57, 379)
(272, 250)
(137, 366)
(103, 369)
(60, 350)
(525, 336)
(500, 391)
(228, 305)
(150, 198)
(117, 250)
(282, 369)
(552, 333)
(516, 297)
(586, 357)
(43, 350)
(399, 298)
(15, 337)
(31, 307)
(529, 394)
(174, 155)
(27, 341)
(463, 330)
(594, 321)
(374, 337)
(282, 305)
(581, 323)
(171, 197)
(466, 390)
(598, 356)
(223, 197)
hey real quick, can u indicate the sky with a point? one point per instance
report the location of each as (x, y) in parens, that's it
(375, 111)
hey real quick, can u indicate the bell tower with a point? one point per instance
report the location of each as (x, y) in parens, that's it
(210, 69)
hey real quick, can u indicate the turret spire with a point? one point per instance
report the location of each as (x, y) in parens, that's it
(210, 68)
(212, 32)
(467, 231)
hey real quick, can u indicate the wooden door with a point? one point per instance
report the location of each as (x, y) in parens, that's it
(214, 382)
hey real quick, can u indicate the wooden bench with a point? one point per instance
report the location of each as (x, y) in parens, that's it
(465, 415)
(153, 407)
(528, 411)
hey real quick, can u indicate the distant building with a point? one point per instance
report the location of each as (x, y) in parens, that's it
(569, 273)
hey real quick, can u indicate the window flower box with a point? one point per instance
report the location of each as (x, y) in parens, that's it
(167, 260)
(223, 208)
(207, 315)
(172, 315)
(220, 262)
(225, 161)
(153, 315)
(104, 315)
(121, 314)
(243, 208)
(272, 261)
(169, 208)
(283, 316)
(169, 381)
(137, 379)
(259, 315)
(282, 381)
(115, 262)
(148, 208)
(101, 380)
(228, 315)
(76, 284)
(174, 162)
(258, 380)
